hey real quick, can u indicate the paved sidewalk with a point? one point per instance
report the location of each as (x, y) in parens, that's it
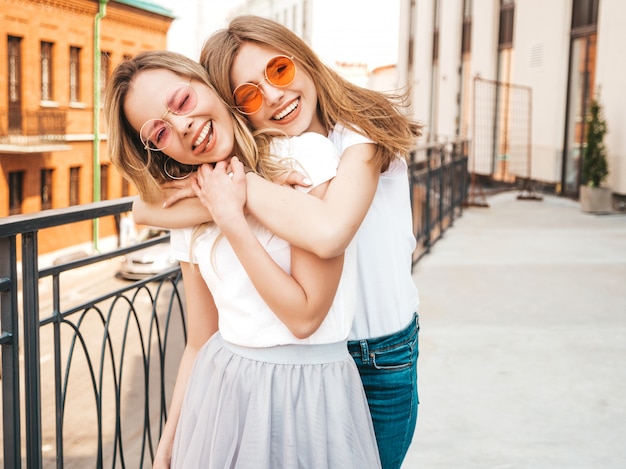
(523, 340)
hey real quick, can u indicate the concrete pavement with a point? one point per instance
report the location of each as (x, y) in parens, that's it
(523, 340)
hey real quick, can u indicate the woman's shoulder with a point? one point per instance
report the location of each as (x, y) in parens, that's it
(343, 137)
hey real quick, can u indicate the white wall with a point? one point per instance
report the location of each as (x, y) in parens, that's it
(541, 45)
(611, 73)
(451, 21)
(485, 38)
(422, 62)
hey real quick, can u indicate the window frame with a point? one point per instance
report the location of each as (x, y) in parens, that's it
(46, 75)
(16, 192)
(74, 81)
(74, 185)
(105, 69)
(506, 25)
(104, 182)
(46, 188)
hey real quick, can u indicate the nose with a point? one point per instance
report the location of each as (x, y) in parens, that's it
(181, 124)
(271, 94)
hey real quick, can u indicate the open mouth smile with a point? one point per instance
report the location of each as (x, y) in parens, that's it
(288, 110)
(205, 134)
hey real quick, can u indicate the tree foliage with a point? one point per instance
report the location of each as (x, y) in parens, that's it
(595, 165)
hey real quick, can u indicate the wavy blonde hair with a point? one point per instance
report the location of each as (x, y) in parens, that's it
(146, 169)
(374, 114)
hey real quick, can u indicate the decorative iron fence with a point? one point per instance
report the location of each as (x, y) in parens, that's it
(89, 361)
(94, 356)
(439, 187)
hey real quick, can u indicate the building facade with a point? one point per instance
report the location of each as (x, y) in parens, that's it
(517, 78)
(49, 157)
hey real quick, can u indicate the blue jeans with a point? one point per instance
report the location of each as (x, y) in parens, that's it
(388, 368)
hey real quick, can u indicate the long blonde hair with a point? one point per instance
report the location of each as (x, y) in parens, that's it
(376, 115)
(146, 169)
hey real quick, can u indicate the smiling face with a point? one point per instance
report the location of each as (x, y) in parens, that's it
(291, 109)
(203, 134)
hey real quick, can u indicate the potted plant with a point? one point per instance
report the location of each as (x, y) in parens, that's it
(594, 197)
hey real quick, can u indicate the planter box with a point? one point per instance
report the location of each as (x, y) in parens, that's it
(596, 199)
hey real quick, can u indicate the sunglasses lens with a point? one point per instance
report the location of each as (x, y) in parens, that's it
(181, 99)
(248, 98)
(280, 70)
(155, 134)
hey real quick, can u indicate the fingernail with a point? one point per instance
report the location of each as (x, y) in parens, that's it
(164, 204)
(307, 181)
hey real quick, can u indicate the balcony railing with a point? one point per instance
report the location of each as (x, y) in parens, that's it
(439, 185)
(89, 363)
(97, 359)
(30, 128)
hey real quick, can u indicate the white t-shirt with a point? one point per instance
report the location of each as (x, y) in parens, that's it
(244, 318)
(386, 293)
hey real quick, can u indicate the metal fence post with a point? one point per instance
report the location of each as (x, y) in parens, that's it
(32, 381)
(9, 339)
(427, 227)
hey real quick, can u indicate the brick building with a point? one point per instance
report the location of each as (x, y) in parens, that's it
(47, 144)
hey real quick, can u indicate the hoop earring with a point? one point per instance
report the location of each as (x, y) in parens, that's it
(171, 175)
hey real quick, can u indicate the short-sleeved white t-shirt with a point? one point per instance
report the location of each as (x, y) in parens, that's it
(244, 318)
(386, 293)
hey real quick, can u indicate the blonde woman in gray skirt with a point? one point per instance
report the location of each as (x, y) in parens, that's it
(274, 386)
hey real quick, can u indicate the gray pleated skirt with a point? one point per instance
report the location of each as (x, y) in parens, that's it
(293, 406)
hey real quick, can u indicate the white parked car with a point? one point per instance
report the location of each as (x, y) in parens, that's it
(144, 263)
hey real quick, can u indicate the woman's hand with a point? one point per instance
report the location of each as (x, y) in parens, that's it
(294, 178)
(179, 189)
(222, 189)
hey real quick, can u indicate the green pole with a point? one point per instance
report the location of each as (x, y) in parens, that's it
(96, 116)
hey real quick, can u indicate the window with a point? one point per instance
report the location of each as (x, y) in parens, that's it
(105, 67)
(505, 35)
(74, 185)
(584, 14)
(436, 33)
(104, 182)
(466, 32)
(46, 71)
(14, 85)
(125, 187)
(46, 189)
(74, 74)
(436, 46)
(16, 192)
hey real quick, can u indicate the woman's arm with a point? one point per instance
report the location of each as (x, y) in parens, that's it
(187, 212)
(300, 300)
(323, 226)
(201, 325)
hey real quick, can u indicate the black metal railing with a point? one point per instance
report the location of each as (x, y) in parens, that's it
(439, 186)
(97, 355)
(89, 361)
